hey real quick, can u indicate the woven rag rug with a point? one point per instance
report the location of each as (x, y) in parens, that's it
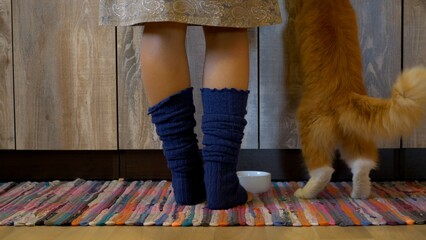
(146, 203)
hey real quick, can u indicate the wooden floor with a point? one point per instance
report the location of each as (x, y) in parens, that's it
(417, 232)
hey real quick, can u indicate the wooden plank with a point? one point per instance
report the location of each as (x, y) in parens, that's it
(251, 133)
(380, 38)
(196, 47)
(64, 76)
(40, 165)
(414, 46)
(283, 164)
(7, 135)
(413, 164)
(278, 73)
(379, 33)
(135, 128)
(210, 233)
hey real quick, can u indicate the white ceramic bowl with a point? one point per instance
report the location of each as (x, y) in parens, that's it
(255, 181)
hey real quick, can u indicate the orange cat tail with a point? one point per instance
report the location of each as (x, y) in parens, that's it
(384, 119)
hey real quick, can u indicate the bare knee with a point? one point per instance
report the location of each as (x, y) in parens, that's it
(165, 40)
(165, 32)
(222, 37)
(227, 58)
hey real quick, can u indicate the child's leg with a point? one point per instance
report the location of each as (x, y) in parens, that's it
(164, 63)
(166, 81)
(227, 58)
(224, 98)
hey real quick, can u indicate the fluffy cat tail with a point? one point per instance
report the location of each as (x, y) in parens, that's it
(384, 119)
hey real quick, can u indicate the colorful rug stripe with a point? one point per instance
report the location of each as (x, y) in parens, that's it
(151, 203)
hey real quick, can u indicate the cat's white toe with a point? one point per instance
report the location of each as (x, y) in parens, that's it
(299, 193)
(360, 194)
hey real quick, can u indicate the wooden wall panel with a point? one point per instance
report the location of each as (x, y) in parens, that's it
(379, 32)
(251, 133)
(7, 135)
(380, 38)
(196, 48)
(279, 72)
(64, 76)
(135, 128)
(414, 50)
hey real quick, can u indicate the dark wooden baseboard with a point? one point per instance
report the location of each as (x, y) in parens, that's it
(60, 165)
(395, 164)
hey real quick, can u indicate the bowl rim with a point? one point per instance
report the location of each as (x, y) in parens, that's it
(258, 173)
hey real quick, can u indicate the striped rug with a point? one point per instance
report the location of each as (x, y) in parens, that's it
(146, 203)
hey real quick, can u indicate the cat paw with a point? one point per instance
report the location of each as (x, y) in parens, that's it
(249, 197)
(360, 194)
(300, 193)
(361, 191)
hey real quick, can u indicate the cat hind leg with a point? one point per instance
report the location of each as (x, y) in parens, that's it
(361, 184)
(361, 156)
(318, 149)
(319, 178)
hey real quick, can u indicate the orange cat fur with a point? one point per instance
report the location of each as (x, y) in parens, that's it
(335, 112)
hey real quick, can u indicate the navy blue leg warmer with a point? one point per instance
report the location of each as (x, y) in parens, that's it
(223, 127)
(174, 121)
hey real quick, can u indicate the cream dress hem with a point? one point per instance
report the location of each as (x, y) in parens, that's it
(225, 13)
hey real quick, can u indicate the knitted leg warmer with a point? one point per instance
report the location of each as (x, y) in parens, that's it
(223, 127)
(174, 121)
